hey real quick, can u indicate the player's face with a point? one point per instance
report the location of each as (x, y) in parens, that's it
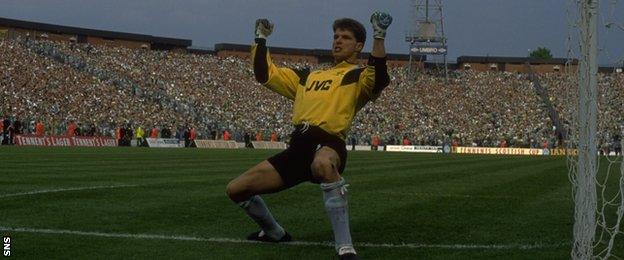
(344, 46)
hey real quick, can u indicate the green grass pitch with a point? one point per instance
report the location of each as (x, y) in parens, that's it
(120, 203)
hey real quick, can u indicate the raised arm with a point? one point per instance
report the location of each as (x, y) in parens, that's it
(283, 81)
(375, 77)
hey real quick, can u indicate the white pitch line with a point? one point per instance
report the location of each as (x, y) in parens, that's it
(65, 189)
(465, 196)
(294, 243)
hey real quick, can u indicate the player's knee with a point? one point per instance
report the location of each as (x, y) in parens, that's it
(319, 166)
(230, 189)
(236, 191)
(323, 169)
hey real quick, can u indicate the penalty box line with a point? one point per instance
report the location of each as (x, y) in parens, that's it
(293, 243)
(35, 192)
(68, 189)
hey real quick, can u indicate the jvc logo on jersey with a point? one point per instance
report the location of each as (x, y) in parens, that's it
(6, 241)
(319, 85)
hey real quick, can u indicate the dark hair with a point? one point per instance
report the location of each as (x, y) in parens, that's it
(353, 26)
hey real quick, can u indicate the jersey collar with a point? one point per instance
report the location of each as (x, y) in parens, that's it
(344, 64)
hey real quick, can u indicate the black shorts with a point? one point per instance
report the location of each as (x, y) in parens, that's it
(294, 163)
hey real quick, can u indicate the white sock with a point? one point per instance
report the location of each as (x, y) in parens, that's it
(258, 211)
(334, 196)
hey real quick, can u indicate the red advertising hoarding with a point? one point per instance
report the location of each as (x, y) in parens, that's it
(59, 140)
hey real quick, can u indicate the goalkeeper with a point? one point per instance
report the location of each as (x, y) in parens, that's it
(325, 103)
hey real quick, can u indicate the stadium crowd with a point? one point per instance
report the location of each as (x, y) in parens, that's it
(37, 88)
(562, 91)
(101, 88)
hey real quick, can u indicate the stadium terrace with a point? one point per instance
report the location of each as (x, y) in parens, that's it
(104, 83)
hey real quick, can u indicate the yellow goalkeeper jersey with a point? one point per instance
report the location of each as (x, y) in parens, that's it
(328, 98)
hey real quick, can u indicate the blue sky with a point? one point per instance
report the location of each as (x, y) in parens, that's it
(473, 27)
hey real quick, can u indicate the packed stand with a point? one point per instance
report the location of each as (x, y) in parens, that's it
(36, 88)
(111, 86)
(563, 91)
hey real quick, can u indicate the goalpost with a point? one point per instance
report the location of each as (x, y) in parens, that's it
(584, 179)
(598, 203)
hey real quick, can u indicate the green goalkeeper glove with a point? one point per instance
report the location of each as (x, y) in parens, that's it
(264, 28)
(380, 22)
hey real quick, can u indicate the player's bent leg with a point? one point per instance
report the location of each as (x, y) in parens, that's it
(260, 179)
(325, 169)
(244, 190)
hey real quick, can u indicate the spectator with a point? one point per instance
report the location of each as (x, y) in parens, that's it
(165, 133)
(187, 136)
(406, 141)
(193, 136)
(127, 136)
(226, 135)
(118, 134)
(154, 132)
(71, 128)
(376, 141)
(140, 136)
(39, 128)
(247, 139)
(2, 133)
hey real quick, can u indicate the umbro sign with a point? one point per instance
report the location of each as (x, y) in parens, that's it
(429, 50)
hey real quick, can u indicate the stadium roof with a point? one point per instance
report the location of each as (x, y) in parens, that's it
(516, 60)
(610, 69)
(247, 47)
(297, 51)
(200, 50)
(94, 33)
